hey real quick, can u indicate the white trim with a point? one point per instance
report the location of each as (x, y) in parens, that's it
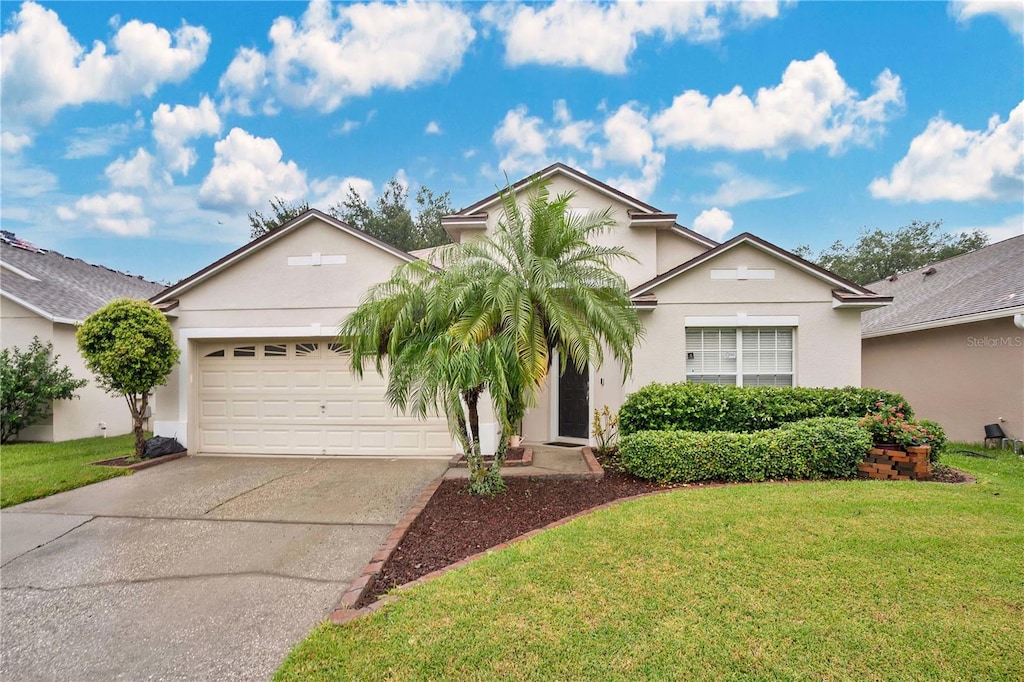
(18, 271)
(741, 273)
(948, 322)
(318, 259)
(694, 236)
(39, 311)
(741, 320)
(258, 244)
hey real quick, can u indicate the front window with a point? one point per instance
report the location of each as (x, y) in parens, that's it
(749, 356)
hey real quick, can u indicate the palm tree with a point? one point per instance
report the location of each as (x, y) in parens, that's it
(489, 319)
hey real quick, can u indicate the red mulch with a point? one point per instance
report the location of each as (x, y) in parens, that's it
(455, 525)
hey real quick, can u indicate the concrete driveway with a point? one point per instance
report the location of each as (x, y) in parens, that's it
(205, 568)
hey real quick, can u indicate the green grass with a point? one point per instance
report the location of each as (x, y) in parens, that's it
(834, 580)
(29, 471)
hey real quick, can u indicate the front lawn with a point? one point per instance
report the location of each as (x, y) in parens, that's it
(829, 580)
(32, 470)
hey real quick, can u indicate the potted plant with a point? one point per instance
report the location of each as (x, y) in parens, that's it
(887, 426)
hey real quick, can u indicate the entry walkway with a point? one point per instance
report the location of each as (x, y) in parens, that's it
(548, 461)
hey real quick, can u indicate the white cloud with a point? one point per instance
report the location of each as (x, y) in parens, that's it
(247, 172)
(134, 172)
(89, 142)
(739, 188)
(117, 213)
(345, 127)
(630, 142)
(333, 191)
(811, 107)
(24, 180)
(43, 68)
(571, 133)
(333, 54)
(1010, 12)
(12, 143)
(173, 128)
(949, 162)
(523, 140)
(602, 37)
(433, 128)
(714, 223)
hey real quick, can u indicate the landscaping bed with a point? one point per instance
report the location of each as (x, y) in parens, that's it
(455, 524)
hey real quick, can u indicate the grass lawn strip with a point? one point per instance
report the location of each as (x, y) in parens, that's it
(832, 580)
(29, 471)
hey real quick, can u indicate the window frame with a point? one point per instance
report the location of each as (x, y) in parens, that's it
(738, 374)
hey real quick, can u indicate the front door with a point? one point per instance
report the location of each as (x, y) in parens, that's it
(573, 403)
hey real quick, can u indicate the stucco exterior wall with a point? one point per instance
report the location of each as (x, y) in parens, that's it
(962, 376)
(262, 296)
(827, 340)
(71, 419)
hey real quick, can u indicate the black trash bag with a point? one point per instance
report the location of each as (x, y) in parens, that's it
(158, 446)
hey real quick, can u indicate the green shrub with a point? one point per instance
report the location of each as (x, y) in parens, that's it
(707, 407)
(824, 447)
(936, 437)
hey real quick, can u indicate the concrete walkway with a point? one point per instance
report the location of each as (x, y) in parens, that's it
(205, 568)
(548, 460)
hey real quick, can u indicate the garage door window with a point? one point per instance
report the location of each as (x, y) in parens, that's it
(244, 352)
(275, 350)
(753, 356)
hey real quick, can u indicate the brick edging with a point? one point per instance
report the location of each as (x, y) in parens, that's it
(345, 607)
(144, 464)
(459, 462)
(344, 615)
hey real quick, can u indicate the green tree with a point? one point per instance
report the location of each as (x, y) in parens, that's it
(489, 319)
(29, 383)
(129, 346)
(390, 219)
(282, 211)
(878, 253)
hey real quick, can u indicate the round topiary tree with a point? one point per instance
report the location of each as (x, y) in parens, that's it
(129, 346)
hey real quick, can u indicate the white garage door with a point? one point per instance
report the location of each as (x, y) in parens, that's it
(300, 398)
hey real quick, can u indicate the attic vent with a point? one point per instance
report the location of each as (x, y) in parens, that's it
(930, 271)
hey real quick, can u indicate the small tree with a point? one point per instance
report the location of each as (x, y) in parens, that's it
(29, 383)
(281, 212)
(129, 346)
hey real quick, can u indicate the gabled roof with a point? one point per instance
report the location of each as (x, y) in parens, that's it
(269, 238)
(845, 292)
(476, 213)
(63, 289)
(984, 284)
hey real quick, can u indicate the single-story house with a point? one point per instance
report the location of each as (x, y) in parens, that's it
(46, 294)
(260, 372)
(952, 341)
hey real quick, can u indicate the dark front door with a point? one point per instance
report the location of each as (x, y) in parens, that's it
(573, 403)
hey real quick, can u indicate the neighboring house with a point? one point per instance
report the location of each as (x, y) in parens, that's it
(952, 342)
(45, 294)
(260, 372)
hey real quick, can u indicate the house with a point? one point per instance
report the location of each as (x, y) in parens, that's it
(952, 341)
(260, 372)
(46, 294)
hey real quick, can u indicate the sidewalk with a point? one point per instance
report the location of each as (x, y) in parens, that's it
(549, 461)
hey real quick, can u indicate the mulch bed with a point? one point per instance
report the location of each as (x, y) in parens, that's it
(945, 474)
(131, 462)
(455, 525)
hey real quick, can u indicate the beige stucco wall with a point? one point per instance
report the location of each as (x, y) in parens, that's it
(962, 376)
(71, 419)
(262, 296)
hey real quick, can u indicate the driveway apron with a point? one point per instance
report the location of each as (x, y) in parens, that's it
(205, 568)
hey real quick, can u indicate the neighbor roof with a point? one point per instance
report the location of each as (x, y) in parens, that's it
(983, 284)
(61, 288)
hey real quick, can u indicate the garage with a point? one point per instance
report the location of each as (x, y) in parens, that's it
(299, 397)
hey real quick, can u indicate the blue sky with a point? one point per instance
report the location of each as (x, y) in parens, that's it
(139, 135)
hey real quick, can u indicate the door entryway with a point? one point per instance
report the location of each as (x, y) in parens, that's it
(574, 403)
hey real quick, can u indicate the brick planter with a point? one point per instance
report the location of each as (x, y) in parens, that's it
(911, 464)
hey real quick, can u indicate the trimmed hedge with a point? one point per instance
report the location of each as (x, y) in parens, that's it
(708, 407)
(824, 447)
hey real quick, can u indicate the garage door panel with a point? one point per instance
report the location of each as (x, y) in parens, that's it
(303, 399)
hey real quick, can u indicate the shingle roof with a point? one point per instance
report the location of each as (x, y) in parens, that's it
(66, 288)
(983, 281)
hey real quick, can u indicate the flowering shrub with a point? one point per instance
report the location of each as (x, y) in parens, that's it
(890, 425)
